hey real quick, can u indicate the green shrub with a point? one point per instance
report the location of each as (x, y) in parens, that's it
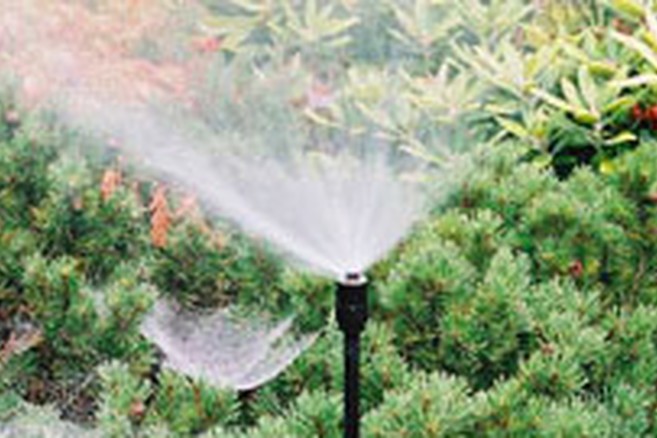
(199, 270)
(486, 332)
(428, 275)
(75, 220)
(321, 368)
(187, 407)
(24, 178)
(121, 400)
(431, 406)
(485, 290)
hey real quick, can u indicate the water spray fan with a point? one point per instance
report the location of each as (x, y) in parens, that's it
(334, 212)
(333, 201)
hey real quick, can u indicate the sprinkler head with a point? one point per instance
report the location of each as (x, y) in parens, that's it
(353, 279)
(351, 303)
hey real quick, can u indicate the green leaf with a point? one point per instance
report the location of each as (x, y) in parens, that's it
(554, 101)
(310, 14)
(586, 117)
(496, 108)
(513, 127)
(573, 51)
(651, 21)
(621, 103)
(636, 45)
(582, 115)
(632, 8)
(571, 93)
(602, 68)
(340, 26)
(607, 167)
(588, 88)
(222, 24)
(319, 119)
(623, 137)
(234, 40)
(636, 81)
(542, 161)
(256, 7)
(421, 153)
(340, 41)
(290, 13)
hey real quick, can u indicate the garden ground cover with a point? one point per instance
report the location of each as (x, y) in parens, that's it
(525, 305)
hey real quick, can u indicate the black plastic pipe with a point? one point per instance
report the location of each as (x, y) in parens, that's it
(351, 314)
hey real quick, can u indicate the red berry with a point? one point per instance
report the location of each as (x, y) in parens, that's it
(637, 112)
(12, 117)
(622, 26)
(653, 198)
(651, 116)
(651, 113)
(207, 44)
(137, 409)
(576, 269)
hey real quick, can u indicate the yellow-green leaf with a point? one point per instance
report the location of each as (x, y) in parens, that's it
(636, 45)
(255, 7)
(554, 101)
(607, 167)
(339, 26)
(571, 93)
(632, 8)
(588, 88)
(340, 41)
(636, 81)
(315, 117)
(226, 24)
(621, 103)
(602, 68)
(233, 41)
(422, 154)
(513, 127)
(651, 21)
(542, 161)
(495, 108)
(586, 117)
(623, 137)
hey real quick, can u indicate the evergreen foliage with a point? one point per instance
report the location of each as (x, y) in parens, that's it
(527, 306)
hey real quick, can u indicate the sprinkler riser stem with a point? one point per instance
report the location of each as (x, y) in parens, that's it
(351, 314)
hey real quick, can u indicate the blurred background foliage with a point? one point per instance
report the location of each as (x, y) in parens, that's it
(561, 76)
